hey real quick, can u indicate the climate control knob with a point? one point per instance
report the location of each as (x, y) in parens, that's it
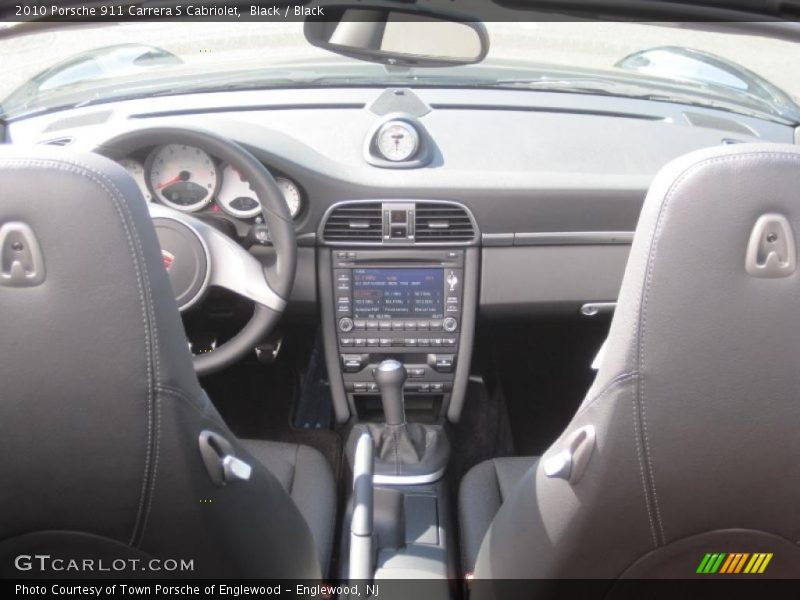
(449, 324)
(346, 324)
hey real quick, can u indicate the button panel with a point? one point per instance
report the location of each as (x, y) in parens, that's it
(399, 342)
(427, 347)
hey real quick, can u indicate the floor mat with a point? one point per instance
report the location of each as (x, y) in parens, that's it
(483, 432)
(257, 401)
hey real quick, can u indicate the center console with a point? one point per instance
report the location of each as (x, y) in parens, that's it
(398, 288)
(401, 305)
(399, 296)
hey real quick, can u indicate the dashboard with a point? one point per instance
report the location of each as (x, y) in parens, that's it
(552, 183)
(418, 212)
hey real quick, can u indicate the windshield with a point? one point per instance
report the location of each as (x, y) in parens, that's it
(80, 65)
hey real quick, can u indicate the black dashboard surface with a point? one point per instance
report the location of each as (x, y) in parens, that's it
(530, 166)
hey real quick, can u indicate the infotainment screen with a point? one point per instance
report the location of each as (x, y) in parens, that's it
(398, 293)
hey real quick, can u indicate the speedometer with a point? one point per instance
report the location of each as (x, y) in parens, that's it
(182, 177)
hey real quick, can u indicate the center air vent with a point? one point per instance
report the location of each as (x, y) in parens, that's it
(356, 222)
(444, 223)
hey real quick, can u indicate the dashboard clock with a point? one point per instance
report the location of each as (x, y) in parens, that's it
(397, 140)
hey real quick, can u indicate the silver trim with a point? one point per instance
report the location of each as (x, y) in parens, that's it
(592, 309)
(408, 479)
(409, 127)
(229, 265)
(395, 244)
(565, 238)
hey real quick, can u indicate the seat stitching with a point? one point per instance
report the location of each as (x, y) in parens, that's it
(641, 325)
(99, 178)
(617, 380)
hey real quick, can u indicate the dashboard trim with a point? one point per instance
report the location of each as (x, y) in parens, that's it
(573, 238)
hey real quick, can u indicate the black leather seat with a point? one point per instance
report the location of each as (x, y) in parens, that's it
(307, 477)
(102, 411)
(686, 443)
(481, 494)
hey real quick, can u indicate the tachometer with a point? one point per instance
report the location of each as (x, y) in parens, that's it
(182, 177)
(236, 197)
(136, 170)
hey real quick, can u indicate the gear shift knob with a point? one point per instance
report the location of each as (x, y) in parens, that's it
(390, 375)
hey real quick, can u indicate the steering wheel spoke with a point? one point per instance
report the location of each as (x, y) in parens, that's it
(226, 263)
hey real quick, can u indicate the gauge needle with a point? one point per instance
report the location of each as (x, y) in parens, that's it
(175, 179)
(182, 176)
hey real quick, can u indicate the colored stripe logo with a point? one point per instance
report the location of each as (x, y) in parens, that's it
(734, 563)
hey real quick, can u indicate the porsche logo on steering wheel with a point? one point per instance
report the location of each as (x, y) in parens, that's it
(168, 258)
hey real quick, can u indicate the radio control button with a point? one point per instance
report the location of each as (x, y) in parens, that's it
(372, 325)
(359, 342)
(410, 325)
(410, 342)
(352, 363)
(373, 341)
(423, 342)
(398, 342)
(346, 324)
(450, 324)
(347, 341)
(436, 342)
(386, 342)
(385, 325)
(423, 325)
(360, 324)
(436, 325)
(397, 325)
(442, 363)
(450, 341)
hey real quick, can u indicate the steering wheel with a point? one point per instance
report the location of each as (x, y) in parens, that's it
(198, 256)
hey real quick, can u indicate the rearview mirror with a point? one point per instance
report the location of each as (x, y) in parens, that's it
(405, 37)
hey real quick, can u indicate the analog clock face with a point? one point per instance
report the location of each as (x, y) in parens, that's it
(397, 141)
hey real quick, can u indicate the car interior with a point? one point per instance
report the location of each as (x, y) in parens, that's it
(379, 324)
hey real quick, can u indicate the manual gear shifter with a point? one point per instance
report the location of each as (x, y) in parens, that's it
(404, 452)
(390, 375)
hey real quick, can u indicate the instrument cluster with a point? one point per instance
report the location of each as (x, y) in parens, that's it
(188, 179)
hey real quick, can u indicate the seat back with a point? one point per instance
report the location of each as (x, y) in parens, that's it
(100, 408)
(696, 406)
